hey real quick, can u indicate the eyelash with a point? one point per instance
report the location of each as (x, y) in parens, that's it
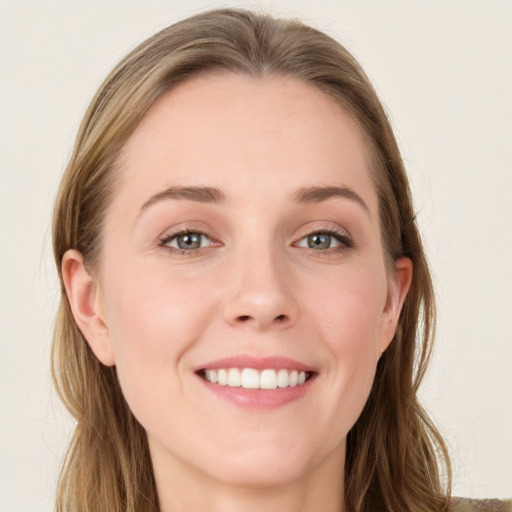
(166, 239)
(344, 240)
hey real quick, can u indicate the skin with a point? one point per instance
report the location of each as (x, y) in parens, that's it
(254, 287)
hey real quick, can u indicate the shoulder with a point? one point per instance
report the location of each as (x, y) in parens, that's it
(487, 505)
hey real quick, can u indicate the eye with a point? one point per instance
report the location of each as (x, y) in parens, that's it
(186, 241)
(324, 240)
(319, 241)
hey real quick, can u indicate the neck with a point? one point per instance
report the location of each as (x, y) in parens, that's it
(184, 489)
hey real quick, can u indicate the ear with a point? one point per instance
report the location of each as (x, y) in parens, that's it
(86, 301)
(398, 286)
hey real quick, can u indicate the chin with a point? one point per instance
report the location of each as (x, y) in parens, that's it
(260, 473)
(270, 464)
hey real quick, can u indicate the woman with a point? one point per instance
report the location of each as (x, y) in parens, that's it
(242, 283)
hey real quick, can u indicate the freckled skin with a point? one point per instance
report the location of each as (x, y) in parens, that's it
(168, 312)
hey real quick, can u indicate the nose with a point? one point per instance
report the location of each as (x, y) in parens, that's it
(261, 293)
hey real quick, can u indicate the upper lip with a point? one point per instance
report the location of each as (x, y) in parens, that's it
(258, 363)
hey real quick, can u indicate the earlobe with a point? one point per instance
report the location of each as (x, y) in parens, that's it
(398, 288)
(85, 299)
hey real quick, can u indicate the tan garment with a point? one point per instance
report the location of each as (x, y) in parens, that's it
(472, 505)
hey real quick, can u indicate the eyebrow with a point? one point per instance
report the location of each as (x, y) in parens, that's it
(319, 194)
(198, 194)
(202, 194)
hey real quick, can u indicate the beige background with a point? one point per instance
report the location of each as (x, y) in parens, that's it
(443, 68)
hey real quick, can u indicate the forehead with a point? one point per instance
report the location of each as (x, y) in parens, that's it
(236, 131)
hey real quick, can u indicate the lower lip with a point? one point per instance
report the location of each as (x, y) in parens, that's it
(259, 398)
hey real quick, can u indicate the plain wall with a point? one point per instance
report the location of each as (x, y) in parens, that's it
(442, 68)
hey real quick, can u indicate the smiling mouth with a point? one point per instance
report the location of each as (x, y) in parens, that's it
(251, 378)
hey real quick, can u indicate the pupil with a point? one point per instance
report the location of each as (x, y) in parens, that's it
(319, 241)
(189, 241)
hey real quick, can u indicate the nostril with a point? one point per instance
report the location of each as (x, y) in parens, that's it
(280, 319)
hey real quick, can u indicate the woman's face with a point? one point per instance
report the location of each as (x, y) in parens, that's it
(242, 245)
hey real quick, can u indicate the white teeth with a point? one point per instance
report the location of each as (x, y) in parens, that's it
(249, 378)
(222, 377)
(234, 378)
(282, 379)
(211, 375)
(268, 379)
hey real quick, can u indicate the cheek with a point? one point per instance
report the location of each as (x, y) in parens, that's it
(157, 305)
(348, 308)
(154, 318)
(348, 316)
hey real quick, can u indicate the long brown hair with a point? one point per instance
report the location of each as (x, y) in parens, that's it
(396, 459)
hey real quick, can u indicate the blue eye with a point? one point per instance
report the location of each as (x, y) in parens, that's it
(187, 241)
(319, 241)
(322, 241)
